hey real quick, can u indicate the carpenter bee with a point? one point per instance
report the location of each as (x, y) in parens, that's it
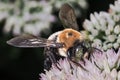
(66, 43)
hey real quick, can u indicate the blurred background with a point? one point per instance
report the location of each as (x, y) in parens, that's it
(40, 18)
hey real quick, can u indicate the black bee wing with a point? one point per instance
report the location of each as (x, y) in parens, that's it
(32, 41)
(67, 16)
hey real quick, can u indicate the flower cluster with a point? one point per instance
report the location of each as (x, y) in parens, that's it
(102, 66)
(27, 16)
(31, 16)
(104, 28)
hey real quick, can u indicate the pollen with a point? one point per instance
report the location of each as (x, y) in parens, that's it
(68, 37)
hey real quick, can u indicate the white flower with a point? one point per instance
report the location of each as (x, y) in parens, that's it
(97, 41)
(32, 12)
(118, 40)
(116, 45)
(117, 29)
(105, 27)
(86, 24)
(111, 38)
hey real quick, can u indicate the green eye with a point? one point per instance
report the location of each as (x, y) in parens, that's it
(80, 50)
(79, 53)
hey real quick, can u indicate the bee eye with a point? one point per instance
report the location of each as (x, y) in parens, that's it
(70, 34)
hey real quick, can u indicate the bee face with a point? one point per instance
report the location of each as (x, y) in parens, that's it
(80, 50)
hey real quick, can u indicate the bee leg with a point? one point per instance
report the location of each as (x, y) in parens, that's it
(49, 58)
(47, 63)
(99, 51)
(76, 63)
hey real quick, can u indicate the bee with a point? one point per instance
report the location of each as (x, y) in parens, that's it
(62, 44)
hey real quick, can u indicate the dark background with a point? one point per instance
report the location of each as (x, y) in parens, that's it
(27, 64)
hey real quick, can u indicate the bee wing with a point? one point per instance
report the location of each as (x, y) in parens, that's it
(32, 41)
(67, 16)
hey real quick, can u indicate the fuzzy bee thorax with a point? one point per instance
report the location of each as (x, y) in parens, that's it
(68, 37)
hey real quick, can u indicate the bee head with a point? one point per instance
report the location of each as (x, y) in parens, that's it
(69, 37)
